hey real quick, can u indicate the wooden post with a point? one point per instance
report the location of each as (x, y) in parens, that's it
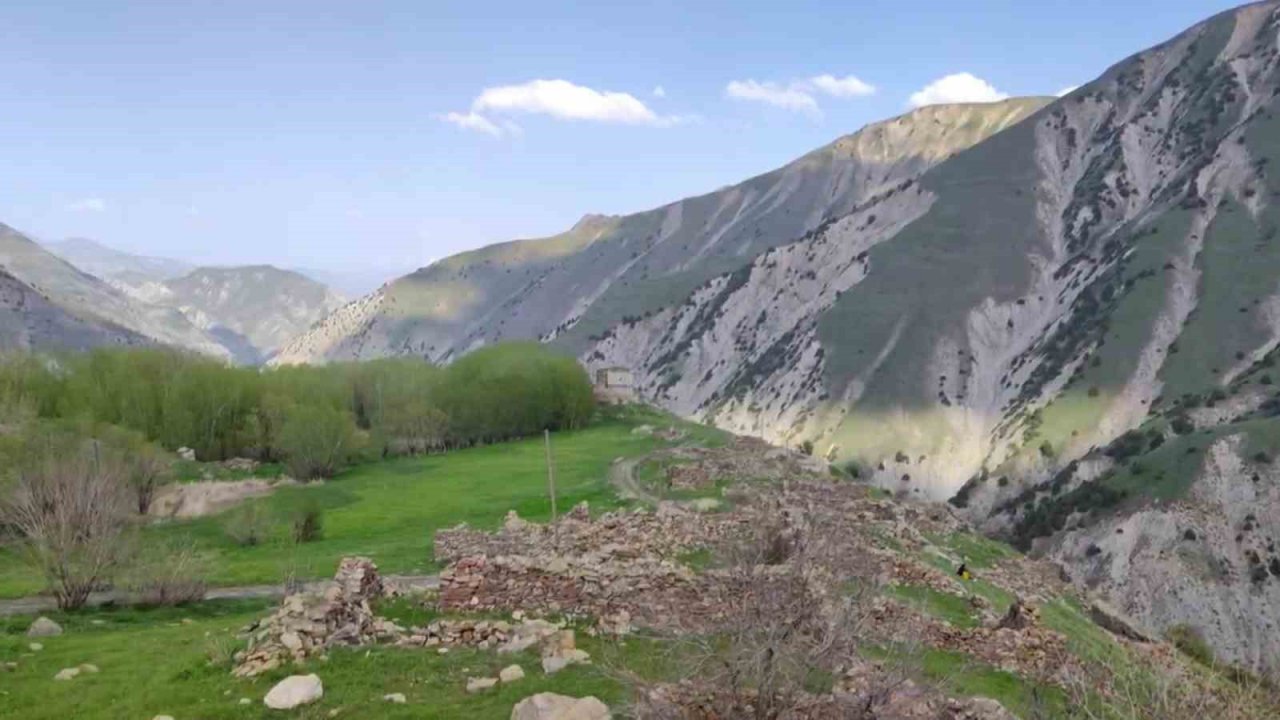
(551, 474)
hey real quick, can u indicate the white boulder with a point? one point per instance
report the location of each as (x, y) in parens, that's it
(44, 627)
(293, 691)
(551, 706)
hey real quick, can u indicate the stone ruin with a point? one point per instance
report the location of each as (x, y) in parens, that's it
(308, 624)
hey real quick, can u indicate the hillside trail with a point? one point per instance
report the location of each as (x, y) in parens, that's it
(622, 476)
(32, 604)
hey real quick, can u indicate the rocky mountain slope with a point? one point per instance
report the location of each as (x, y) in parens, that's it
(250, 310)
(607, 269)
(1067, 326)
(30, 321)
(113, 265)
(85, 296)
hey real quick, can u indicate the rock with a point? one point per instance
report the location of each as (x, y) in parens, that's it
(476, 685)
(186, 453)
(245, 701)
(67, 673)
(511, 673)
(1020, 616)
(552, 664)
(162, 717)
(44, 627)
(88, 668)
(396, 698)
(35, 647)
(1117, 622)
(9, 666)
(293, 691)
(551, 706)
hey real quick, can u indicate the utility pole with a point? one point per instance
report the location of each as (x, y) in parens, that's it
(551, 473)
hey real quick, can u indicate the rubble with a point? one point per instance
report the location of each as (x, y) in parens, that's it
(307, 624)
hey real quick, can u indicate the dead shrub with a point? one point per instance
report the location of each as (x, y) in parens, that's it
(69, 504)
(171, 574)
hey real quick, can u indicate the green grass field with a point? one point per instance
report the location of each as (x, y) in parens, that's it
(161, 662)
(390, 510)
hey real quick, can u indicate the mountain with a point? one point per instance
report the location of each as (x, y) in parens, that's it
(605, 268)
(85, 296)
(30, 321)
(111, 264)
(251, 310)
(1063, 316)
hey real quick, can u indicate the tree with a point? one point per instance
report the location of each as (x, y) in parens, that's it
(69, 504)
(316, 441)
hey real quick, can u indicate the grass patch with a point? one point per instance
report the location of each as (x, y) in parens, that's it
(964, 675)
(156, 664)
(974, 550)
(953, 609)
(390, 510)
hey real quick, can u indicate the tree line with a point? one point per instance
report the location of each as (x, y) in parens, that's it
(315, 420)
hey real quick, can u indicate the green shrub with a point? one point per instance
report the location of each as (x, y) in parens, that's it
(248, 525)
(316, 441)
(1191, 642)
(308, 525)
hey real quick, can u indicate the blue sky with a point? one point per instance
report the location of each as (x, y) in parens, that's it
(318, 134)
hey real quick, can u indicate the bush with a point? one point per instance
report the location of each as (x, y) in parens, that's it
(308, 525)
(172, 574)
(1192, 643)
(316, 441)
(248, 525)
(69, 505)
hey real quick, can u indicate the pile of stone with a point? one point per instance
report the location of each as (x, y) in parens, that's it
(616, 591)
(620, 534)
(306, 624)
(743, 459)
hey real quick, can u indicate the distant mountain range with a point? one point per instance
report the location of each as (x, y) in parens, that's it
(96, 295)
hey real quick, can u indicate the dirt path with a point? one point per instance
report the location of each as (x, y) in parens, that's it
(622, 475)
(41, 603)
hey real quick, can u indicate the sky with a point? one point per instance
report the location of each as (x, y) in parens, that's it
(378, 136)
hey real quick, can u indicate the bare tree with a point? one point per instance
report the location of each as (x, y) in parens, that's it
(70, 505)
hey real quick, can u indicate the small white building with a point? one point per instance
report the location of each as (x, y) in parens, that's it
(615, 385)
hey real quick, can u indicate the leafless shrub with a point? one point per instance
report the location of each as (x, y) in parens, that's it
(70, 507)
(788, 628)
(1119, 690)
(171, 574)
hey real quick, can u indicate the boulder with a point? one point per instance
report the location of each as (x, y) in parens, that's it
(186, 453)
(294, 691)
(88, 668)
(35, 647)
(44, 627)
(551, 706)
(395, 698)
(511, 673)
(476, 685)
(67, 673)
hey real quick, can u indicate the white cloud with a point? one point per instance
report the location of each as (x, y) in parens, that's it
(473, 121)
(799, 95)
(957, 88)
(847, 86)
(659, 91)
(92, 204)
(1067, 90)
(787, 97)
(559, 99)
(566, 101)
